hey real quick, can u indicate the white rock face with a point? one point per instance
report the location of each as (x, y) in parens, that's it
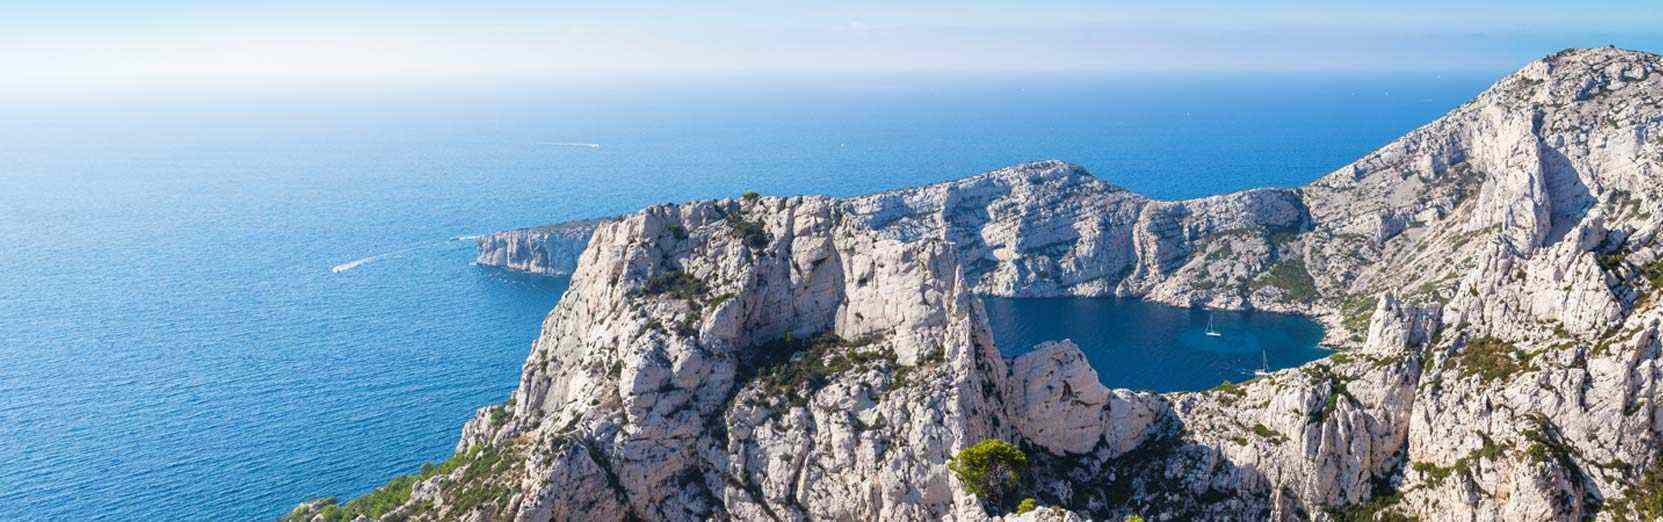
(1062, 405)
(1493, 279)
(665, 362)
(548, 250)
(1049, 228)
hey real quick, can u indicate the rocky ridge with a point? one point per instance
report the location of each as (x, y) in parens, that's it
(1493, 278)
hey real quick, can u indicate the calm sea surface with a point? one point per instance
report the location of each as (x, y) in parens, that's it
(174, 344)
(1143, 345)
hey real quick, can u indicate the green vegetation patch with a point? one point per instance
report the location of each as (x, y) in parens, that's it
(1336, 391)
(676, 283)
(1027, 504)
(1382, 505)
(479, 463)
(1381, 508)
(677, 231)
(1489, 359)
(1356, 312)
(991, 470)
(1653, 272)
(749, 232)
(478, 485)
(1269, 434)
(1434, 475)
(1643, 500)
(795, 369)
(1282, 236)
(1291, 276)
(1545, 446)
(1229, 392)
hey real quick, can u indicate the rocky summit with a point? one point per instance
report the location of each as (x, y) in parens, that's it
(1492, 282)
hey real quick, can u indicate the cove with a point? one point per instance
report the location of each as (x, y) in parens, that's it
(1151, 346)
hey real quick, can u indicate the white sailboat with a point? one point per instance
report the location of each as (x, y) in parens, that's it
(1264, 364)
(1212, 331)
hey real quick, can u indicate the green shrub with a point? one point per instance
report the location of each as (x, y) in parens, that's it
(1433, 474)
(749, 196)
(1654, 273)
(750, 232)
(1268, 434)
(1488, 358)
(1028, 504)
(1230, 388)
(992, 469)
(676, 283)
(1229, 392)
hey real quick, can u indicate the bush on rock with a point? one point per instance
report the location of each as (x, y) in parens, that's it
(992, 469)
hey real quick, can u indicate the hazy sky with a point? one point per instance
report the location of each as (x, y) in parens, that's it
(69, 47)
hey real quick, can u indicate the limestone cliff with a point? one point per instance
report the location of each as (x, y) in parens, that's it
(546, 250)
(1494, 279)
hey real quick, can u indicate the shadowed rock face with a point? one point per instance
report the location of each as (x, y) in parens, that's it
(1493, 278)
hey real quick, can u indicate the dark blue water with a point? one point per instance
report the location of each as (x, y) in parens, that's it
(174, 344)
(1151, 346)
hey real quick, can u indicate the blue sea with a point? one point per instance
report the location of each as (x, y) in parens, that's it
(1151, 346)
(175, 345)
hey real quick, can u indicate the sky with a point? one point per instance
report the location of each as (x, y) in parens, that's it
(87, 48)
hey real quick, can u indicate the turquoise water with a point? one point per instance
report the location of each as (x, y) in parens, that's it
(174, 344)
(1151, 346)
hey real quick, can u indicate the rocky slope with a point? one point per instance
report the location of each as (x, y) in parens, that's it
(1493, 278)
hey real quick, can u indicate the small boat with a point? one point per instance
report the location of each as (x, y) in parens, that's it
(1264, 364)
(1212, 331)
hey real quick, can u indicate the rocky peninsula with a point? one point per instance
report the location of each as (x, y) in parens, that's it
(1491, 280)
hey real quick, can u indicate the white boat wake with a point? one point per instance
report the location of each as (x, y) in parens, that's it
(352, 264)
(349, 265)
(572, 144)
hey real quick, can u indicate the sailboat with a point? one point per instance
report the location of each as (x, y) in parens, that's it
(1264, 364)
(1212, 331)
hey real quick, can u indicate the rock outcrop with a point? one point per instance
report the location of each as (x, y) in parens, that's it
(1494, 279)
(546, 250)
